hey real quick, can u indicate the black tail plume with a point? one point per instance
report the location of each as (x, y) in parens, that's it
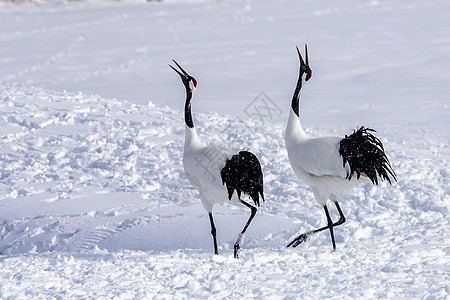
(365, 154)
(243, 173)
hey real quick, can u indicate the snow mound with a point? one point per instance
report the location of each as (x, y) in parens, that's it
(96, 186)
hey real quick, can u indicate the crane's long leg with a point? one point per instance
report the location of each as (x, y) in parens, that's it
(240, 239)
(213, 232)
(330, 226)
(303, 237)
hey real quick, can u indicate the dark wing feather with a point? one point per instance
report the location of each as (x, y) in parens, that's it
(242, 172)
(365, 154)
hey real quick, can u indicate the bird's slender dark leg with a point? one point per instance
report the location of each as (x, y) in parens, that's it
(330, 222)
(240, 239)
(330, 226)
(341, 215)
(303, 237)
(213, 232)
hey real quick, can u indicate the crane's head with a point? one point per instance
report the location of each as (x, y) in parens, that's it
(305, 72)
(189, 82)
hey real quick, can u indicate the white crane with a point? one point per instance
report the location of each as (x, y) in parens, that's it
(332, 165)
(209, 168)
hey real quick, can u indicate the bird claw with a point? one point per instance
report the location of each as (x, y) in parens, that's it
(236, 250)
(298, 240)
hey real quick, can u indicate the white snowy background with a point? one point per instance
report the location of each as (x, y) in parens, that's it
(93, 199)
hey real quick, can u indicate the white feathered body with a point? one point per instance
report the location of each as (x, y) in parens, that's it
(318, 163)
(202, 165)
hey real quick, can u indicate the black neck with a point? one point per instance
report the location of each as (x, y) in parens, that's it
(296, 98)
(187, 109)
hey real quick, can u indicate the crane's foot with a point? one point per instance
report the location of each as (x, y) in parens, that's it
(237, 247)
(298, 240)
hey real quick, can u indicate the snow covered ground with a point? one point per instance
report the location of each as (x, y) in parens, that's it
(93, 199)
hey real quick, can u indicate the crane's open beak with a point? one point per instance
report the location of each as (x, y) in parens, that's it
(304, 67)
(185, 77)
(183, 73)
(306, 56)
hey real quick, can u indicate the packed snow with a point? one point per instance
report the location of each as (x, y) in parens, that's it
(94, 202)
